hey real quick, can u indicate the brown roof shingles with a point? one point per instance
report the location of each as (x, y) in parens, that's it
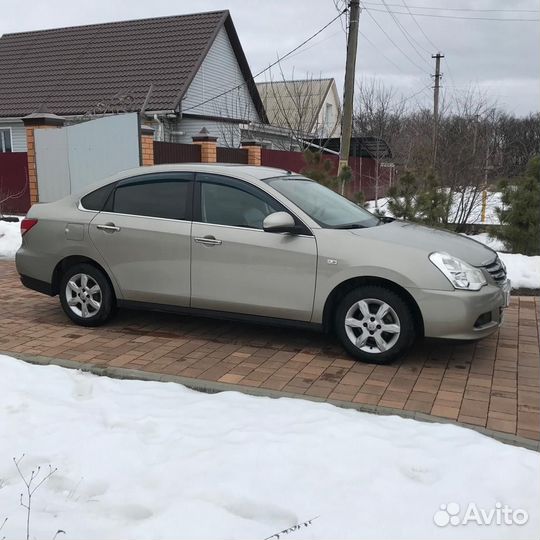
(71, 70)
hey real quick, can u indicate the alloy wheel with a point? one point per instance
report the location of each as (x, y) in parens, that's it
(372, 325)
(83, 295)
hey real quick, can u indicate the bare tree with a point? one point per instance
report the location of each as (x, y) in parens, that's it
(294, 105)
(235, 111)
(478, 143)
(33, 483)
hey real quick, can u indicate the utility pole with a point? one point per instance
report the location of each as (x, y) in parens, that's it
(348, 90)
(437, 77)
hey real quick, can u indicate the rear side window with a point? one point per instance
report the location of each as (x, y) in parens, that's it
(97, 199)
(166, 197)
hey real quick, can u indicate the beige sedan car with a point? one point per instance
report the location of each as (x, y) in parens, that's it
(260, 244)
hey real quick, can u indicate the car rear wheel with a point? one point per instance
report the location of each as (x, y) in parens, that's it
(86, 295)
(374, 324)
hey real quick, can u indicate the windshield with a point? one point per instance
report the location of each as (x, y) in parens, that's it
(323, 205)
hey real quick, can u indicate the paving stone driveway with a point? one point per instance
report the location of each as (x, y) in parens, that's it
(493, 383)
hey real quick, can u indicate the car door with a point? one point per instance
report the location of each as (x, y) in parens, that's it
(143, 234)
(238, 267)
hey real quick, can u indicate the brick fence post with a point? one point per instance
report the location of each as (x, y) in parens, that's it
(208, 146)
(254, 152)
(37, 120)
(147, 145)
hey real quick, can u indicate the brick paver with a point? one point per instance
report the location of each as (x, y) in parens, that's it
(493, 383)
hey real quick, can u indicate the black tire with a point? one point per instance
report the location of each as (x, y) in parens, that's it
(104, 297)
(366, 335)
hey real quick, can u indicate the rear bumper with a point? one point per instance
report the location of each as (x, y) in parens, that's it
(37, 285)
(464, 315)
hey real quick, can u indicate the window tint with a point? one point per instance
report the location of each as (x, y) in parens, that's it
(228, 205)
(163, 197)
(97, 199)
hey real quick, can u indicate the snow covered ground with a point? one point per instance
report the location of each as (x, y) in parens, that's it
(143, 460)
(10, 239)
(523, 270)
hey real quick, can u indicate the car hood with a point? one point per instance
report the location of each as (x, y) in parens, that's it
(405, 233)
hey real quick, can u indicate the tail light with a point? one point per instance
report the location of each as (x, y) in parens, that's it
(27, 224)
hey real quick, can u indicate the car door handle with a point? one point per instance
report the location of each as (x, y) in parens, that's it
(108, 227)
(207, 240)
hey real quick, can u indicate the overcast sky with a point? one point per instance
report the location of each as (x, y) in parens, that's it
(500, 59)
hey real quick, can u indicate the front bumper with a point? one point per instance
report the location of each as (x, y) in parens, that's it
(466, 315)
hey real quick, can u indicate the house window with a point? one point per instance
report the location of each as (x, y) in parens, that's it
(328, 118)
(5, 140)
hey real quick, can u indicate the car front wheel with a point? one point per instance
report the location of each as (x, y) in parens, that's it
(86, 295)
(374, 324)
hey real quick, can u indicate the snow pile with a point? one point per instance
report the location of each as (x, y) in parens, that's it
(523, 270)
(10, 239)
(143, 460)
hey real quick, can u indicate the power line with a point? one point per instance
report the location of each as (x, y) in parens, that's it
(403, 30)
(317, 43)
(461, 9)
(395, 44)
(411, 96)
(420, 28)
(269, 67)
(451, 16)
(428, 40)
(380, 52)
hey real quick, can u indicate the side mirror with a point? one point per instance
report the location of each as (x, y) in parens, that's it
(279, 222)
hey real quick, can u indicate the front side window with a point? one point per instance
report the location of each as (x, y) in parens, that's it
(167, 197)
(5, 140)
(321, 204)
(230, 205)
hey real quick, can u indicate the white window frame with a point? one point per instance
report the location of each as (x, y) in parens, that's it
(2, 149)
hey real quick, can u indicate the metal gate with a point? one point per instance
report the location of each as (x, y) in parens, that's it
(70, 158)
(14, 190)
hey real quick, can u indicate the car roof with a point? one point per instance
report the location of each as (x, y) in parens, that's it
(254, 171)
(251, 173)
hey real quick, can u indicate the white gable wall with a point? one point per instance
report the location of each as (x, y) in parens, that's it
(328, 121)
(220, 72)
(227, 133)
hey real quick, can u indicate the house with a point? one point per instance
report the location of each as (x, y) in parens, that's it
(307, 108)
(177, 71)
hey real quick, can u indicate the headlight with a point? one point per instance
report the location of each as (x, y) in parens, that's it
(460, 274)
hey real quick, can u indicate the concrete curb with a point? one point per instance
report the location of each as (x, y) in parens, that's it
(211, 387)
